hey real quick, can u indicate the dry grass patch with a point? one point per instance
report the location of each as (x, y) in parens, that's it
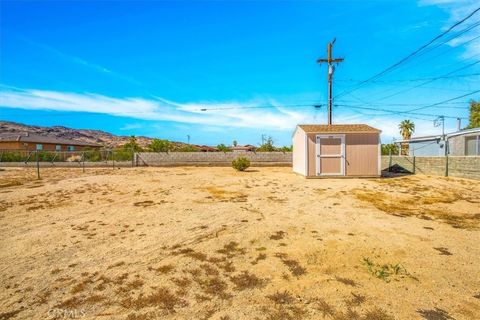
(168, 268)
(223, 195)
(293, 265)
(425, 206)
(162, 298)
(247, 280)
(281, 297)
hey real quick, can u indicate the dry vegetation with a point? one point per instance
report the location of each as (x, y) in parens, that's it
(200, 243)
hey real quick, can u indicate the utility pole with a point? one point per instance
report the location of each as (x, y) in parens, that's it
(331, 68)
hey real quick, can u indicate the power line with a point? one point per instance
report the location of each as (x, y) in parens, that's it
(429, 81)
(448, 100)
(396, 111)
(418, 79)
(261, 107)
(408, 57)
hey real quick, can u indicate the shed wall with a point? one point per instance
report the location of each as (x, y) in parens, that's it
(299, 152)
(362, 154)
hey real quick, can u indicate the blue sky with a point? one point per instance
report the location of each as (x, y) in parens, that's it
(149, 67)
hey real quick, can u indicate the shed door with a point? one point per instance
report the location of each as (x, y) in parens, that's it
(330, 155)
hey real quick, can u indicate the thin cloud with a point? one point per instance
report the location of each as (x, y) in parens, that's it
(278, 118)
(150, 109)
(79, 61)
(457, 10)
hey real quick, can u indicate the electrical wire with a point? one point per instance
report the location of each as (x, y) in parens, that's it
(448, 100)
(410, 56)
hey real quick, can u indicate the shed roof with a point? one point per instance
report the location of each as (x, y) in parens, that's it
(45, 139)
(338, 128)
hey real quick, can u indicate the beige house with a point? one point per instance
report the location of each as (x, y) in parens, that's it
(339, 150)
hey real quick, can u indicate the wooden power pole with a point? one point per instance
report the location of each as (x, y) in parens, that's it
(331, 68)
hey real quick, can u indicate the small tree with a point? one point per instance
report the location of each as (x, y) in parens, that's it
(474, 117)
(223, 148)
(160, 145)
(235, 143)
(267, 145)
(241, 163)
(390, 147)
(286, 148)
(132, 144)
(407, 128)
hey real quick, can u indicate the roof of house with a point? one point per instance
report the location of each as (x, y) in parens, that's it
(338, 128)
(45, 139)
(245, 147)
(439, 136)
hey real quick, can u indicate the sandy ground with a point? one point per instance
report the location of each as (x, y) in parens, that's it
(199, 243)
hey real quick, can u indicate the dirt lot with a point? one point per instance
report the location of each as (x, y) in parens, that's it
(198, 243)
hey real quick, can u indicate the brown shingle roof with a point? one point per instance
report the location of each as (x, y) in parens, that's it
(45, 139)
(338, 128)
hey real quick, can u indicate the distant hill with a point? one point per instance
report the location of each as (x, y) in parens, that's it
(94, 136)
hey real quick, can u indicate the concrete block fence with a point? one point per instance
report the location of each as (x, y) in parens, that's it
(212, 158)
(453, 166)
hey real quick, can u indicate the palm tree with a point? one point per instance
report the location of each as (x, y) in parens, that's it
(406, 127)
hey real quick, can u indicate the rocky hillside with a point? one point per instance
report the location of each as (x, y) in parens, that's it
(96, 136)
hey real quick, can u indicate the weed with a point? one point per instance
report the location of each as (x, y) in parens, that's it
(162, 298)
(443, 251)
(295, 268)
(118, 264)
(349, 314)
(246, 280)
(377, 314)
(356, 300)
(231, 250)
(385, 271)
(213, 286)
(163, 269)
(182, 282)
(324, 307)
(209, 270)
(281, 297)
(79, 287)
(435, 314)
(279, 235)
(261, 256)
(346, 281)
(94, 299)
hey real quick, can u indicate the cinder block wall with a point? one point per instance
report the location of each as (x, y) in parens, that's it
(458, 166)
(217, 158)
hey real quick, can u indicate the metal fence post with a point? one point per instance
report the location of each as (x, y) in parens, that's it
(133, 156)
(38, 164)
(414, 166)
(389, 159)
(446, 158)
(83, 161)
(113, 159)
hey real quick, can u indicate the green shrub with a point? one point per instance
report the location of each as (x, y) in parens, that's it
(241, 163)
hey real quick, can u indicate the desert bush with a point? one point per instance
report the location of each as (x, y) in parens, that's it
(93, 155)
(11, 156)
(241, 163)
(121, 154)
(160, 145)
